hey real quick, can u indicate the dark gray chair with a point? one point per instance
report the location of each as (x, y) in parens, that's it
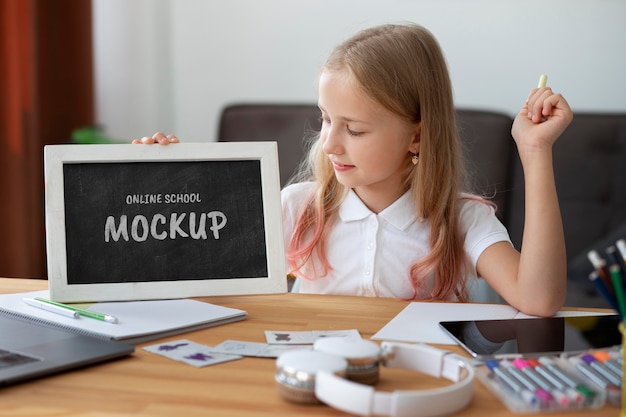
(286, 124)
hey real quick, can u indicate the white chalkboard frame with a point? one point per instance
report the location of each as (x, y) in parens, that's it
(56, 156)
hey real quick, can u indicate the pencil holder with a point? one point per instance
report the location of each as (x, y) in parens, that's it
(622, 329)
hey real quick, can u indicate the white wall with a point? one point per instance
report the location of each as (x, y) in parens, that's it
(172, 65)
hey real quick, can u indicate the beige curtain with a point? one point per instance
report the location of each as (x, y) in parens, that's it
(46, 91)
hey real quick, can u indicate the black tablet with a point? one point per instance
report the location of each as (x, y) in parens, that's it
(485, 339)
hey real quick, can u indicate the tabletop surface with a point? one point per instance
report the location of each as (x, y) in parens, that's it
(146, 384)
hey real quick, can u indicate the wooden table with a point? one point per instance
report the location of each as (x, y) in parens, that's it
(146, 384)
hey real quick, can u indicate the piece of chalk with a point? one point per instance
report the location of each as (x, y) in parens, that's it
(542, 81)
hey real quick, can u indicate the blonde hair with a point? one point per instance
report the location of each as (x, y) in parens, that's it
(402, 68)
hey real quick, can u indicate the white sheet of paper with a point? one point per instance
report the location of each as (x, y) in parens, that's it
(419, 321)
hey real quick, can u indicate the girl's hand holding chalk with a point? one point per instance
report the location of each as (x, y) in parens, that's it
(541, 120)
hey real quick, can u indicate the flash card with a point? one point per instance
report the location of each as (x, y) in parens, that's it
(191, 353)
(305, 337)
(259, 350)
(274, 351)
(237, 347)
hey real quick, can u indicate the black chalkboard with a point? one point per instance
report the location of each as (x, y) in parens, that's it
(164, 221)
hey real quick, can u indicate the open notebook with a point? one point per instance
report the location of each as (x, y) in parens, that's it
(138, 321)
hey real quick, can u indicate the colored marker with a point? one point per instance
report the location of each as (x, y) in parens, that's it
(621, 247)
(602, 370)
(526, 395)
(608, 361)
(82, 312)
(543, 396)
(618, 286)
(543, 79)
(51, 308)
(573, 395)
(532, 373)
(594, 376)
(600, 265)
(599, 284)
(567, 379)
(615, 257)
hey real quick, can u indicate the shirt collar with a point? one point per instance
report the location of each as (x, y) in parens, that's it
(400, 214)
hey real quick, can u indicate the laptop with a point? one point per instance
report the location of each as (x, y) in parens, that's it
(29, 350)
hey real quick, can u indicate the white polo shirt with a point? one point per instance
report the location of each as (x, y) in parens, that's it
(371, 254)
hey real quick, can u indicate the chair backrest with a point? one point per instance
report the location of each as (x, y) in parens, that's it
(286, 124)
(489, 153)
(590, 176)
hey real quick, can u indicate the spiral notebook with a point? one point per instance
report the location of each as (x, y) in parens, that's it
(138, 321)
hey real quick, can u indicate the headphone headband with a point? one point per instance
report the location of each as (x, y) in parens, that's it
(329, 386)
(363, 400)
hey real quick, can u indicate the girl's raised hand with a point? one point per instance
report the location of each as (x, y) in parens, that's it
(542, 119)
(159, 137)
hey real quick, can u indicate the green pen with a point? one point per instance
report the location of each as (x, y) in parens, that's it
(86, 313)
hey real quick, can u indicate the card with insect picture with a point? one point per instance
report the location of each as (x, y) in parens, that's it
(191, 353)
(280, 337)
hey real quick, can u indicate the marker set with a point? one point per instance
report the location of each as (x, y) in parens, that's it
(609, 275)
(584, 380)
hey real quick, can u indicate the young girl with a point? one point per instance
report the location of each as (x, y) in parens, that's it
(381, 207)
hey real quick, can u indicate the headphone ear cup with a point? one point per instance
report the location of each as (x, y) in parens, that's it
(297, 395)
(363, 357)
(296, 371)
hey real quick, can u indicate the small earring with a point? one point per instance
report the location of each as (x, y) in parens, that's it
(415, 159)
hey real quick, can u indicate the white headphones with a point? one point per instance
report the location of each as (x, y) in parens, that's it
(313, 376)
